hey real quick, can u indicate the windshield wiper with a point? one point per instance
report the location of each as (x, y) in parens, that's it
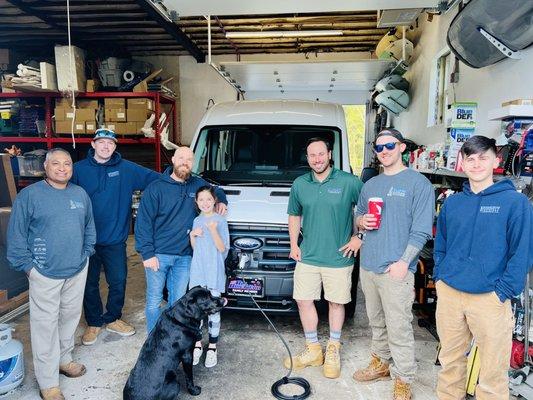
(210, 180)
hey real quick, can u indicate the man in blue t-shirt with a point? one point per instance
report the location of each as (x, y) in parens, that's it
(482, 255)
(110, 182)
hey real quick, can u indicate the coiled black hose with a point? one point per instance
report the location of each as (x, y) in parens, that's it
(303, 383)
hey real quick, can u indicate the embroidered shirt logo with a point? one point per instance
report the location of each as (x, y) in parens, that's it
(335, 190)
(489, 209)
(75, 204)
(396, 192)
(114, 173)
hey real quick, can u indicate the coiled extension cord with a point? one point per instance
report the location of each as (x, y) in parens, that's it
(303, 383)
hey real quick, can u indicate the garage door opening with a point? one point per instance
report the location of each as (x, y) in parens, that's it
(355, 125)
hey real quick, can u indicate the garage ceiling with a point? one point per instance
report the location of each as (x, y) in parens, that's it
(250, 7)
(139, 27)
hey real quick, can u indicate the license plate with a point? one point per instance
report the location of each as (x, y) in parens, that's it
(243, 286)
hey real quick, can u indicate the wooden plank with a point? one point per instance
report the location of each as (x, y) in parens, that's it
(7, 180)
(14, 302)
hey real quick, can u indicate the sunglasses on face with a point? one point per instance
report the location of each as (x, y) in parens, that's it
(378, 148)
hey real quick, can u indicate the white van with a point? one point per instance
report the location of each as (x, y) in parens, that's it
(254, 150)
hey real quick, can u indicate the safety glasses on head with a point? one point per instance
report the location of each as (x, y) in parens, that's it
(378, 148)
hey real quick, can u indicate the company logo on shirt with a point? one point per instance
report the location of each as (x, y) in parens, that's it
(75, 204)
(489, 209)
(335, 190)
(114, 173)
(396, 192)
(192, 194)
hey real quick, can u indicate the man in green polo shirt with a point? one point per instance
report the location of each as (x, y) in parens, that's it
(322, 203)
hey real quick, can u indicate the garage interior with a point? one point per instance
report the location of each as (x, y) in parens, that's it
(389, 63)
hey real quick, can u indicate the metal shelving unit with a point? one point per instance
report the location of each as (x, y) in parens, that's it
(49, 139)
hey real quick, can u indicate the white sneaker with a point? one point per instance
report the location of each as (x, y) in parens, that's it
(197, 353)
(211, 358)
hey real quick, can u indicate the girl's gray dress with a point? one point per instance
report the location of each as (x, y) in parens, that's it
(207, 266)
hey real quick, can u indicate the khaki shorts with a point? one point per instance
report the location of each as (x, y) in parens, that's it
(308, 282)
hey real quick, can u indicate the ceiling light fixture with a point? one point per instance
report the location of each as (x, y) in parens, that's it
(281, 34)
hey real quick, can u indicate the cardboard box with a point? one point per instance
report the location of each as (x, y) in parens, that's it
(115, 102)
(63, 102)
(141, 103)
(112, 126)
(130, 128)
(115, 115)
(139, 126)
(137, 114)
(86, 103)
(143, 85)
(80, 103)
(92, 85)
(518, 102)
(67, 114)
(66, 126)
(90, 127)
(70, 75)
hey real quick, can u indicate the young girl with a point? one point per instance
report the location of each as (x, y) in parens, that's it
(210, 242)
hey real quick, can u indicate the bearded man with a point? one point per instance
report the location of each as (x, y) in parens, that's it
(165, 217)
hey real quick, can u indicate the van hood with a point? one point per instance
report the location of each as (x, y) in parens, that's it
(257, 205)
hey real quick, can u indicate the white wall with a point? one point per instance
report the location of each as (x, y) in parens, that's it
(200, 82)
(489, 86)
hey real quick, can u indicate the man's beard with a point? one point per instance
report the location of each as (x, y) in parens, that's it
(319, 170)
(182, 173)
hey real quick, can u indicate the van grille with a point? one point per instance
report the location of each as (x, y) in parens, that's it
(274, 254)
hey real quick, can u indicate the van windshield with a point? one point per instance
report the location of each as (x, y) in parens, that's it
(258, 155)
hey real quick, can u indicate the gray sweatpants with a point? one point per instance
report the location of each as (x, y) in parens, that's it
(389, 308)
(55, 310)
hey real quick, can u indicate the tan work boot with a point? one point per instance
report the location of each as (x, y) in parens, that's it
(90, 335)
(311, 356)
(377, 370)
(120, 327)
(402, 390)
(332, 360)
(72, 370)
(53, 393)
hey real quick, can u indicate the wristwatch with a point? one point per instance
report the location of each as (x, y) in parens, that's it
(360, 235)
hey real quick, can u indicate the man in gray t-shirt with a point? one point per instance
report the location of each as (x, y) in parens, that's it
(389, 257)
(50, 237)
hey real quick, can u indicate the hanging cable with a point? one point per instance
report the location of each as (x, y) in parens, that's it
(70, 60)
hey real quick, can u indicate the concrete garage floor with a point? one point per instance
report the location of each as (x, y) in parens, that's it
(250, 357)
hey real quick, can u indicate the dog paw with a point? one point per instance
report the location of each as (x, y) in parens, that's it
(194, 390)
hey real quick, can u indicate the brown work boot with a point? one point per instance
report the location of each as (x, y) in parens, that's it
(72, 370)
(402, 390)
(311, 356)
(120, 327)
(377, 370)
(90, 335)
(53, 393)
(332, 360)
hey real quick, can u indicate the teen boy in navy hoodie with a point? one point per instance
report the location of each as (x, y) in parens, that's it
(110, 182)
(165, 217)
(481, 260)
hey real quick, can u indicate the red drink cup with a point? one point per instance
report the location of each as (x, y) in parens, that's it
(375, 205)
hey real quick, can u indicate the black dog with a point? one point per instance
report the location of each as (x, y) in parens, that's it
(154, 376)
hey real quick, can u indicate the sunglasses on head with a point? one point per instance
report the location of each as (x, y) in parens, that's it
(389, 146)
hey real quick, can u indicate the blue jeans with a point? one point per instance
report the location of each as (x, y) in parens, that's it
(113, 259)
(174, 271)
